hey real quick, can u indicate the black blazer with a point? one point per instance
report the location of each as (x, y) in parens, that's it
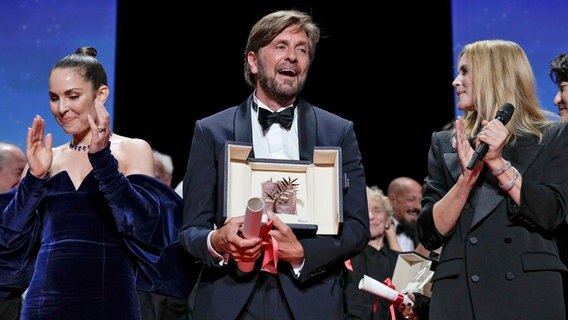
(500, 261)
(316, 294)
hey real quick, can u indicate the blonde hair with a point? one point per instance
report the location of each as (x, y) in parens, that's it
(500, 72)
(375, 193)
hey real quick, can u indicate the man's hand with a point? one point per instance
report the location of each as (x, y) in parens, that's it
(229, 239)
(289, 248)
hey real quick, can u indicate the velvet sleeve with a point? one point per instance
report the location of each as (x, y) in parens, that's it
(19, 204)
(19, 232)
(167, 270)
(17, 258)
(138, 208)
(148, 213)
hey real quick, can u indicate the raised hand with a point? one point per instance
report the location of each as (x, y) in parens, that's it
(39, 151)
(465, 152)
(495, 134)
(100, 129)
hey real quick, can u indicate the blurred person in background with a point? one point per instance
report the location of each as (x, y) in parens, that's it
(12, 164)
(559, 74)
(405, 194)
(377, 261)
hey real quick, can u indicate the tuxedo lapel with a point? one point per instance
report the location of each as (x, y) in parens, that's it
(307, 131)
(243, 129)
(488, 197)
(453, 165)
(490, 194)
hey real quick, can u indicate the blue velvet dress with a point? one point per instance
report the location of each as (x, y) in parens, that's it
(83, 270)
(88, 250)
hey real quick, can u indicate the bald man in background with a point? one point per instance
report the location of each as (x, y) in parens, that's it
(12, 163)
(405, 195)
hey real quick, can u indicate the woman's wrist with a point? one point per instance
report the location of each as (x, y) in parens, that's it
(498, 166)
(506, 166)
(510, 183)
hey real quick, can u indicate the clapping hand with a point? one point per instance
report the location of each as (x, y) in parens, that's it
(39, 151)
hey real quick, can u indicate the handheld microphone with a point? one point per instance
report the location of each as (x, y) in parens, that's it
(504, 115)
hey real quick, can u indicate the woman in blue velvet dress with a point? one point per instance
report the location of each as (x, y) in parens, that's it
(86, 213)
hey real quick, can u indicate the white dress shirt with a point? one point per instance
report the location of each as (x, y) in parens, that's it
(276, 142)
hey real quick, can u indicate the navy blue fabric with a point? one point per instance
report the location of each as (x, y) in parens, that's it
(17, 241)
(94, 250)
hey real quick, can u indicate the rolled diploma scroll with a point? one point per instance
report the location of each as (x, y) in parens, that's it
(379, 289)
(251, 227)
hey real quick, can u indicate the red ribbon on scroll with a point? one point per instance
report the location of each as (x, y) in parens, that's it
(397, 302)
(270, 260)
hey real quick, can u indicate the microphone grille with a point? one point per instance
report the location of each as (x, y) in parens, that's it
(505, 113)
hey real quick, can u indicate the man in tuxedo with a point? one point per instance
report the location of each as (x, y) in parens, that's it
(405, 194)
(306, 284)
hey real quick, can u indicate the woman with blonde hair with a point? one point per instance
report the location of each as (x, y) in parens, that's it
(495, 221)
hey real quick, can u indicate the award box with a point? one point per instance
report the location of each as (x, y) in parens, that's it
(412, 273)
(318, 192)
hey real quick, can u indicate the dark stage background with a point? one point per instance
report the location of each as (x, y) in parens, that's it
(392, 79)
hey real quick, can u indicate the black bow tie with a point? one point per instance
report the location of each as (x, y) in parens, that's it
(284, 118)
(399, 229)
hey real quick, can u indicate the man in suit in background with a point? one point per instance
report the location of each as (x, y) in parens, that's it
(559, 74)
(405, 194)
(279, 52)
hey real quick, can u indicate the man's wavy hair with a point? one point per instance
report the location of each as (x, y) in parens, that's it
(559, 68)
(271, 25)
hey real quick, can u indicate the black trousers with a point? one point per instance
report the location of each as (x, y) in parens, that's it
(10, 309)
(267, 301)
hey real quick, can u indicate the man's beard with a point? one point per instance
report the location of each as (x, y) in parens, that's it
(409, 228)
(278, 90)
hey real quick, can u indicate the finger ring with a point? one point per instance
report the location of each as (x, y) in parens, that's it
(99, 129)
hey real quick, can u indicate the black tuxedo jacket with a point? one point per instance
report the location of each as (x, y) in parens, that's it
(316, 294)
